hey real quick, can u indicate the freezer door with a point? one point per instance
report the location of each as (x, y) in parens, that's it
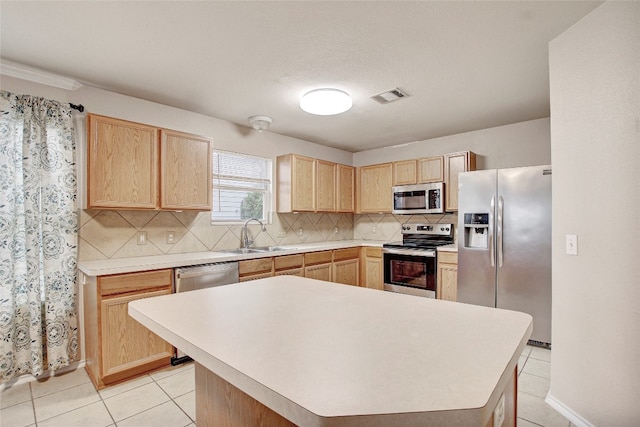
(476, 271)
(524, 276)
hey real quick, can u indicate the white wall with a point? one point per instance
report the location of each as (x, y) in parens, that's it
(520, 144)
(226, 135)
(595, 150)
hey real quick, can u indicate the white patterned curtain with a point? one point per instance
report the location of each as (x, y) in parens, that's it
(38, 236)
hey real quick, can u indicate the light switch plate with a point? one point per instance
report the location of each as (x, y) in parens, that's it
(572, 244)
(171, 237)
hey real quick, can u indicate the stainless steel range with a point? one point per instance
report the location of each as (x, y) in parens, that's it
(410, 266)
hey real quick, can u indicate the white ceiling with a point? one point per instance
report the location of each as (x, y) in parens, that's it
(466, 65)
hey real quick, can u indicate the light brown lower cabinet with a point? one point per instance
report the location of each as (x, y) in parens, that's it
(447, 276)
(346, 266)
(289, 265)
(253, 269)
(319, 271)
(291, 272)
(372, 269)
(117, 346)
(255, 277)
(317, 265)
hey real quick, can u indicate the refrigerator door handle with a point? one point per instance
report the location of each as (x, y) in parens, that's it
(499, 236)
(492, 249)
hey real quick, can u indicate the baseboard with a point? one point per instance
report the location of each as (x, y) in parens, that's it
(27, 378)
(567, 412)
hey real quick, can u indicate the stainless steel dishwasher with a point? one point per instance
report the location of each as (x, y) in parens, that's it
(201, 277)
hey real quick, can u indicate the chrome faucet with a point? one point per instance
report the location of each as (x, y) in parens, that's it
(244, 234)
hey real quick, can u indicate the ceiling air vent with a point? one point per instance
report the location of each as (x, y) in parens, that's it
(389, 96)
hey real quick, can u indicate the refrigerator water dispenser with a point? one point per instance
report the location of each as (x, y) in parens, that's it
(476, 230)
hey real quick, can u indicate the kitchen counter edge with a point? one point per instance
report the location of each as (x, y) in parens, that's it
(448, 248)
(158, 262)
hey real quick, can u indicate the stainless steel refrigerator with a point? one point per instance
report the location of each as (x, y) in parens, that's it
(504, 242)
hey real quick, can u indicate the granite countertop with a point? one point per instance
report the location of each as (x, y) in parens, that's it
(156, 262)
(320, 353)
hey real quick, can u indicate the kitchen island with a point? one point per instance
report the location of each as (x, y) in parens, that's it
(295, 351)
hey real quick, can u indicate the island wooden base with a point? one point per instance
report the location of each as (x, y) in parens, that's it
(219, 403)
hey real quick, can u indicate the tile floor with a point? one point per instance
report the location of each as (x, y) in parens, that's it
(167, 399)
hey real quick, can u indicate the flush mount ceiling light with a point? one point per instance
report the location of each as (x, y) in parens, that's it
(260, 123)
(325, 102)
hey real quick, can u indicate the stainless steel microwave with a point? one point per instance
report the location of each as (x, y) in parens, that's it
(418, 199)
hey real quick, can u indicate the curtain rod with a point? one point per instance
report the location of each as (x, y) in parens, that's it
(78, 107)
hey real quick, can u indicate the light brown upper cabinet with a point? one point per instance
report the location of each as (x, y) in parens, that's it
(454, 163)
(431, 169)
(374, 188)
(405, 172)
(185, 166)
(122, 164)
(325, 186)
(304, 184)
(345, 187)
(136, 166)
(295, 184)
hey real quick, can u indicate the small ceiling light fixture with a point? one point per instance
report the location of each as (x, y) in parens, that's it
(260, 123)
(326, 102)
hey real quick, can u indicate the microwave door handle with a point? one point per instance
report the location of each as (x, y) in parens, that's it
(500, 230)
(492, 248)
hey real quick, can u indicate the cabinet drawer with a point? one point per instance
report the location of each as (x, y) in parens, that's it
(133, 282)
(370, 252)
(311, 258)
(254, 266)
(448, 257)
(348, 253)
(256, 277)
(288, 261)
(291, 272)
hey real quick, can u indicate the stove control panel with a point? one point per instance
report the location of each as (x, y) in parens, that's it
(430, 229)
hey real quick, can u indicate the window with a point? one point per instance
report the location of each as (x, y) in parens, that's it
(241, 187)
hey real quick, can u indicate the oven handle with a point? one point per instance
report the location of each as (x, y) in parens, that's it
(415, 252)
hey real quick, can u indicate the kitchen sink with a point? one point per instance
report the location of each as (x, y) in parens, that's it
(260, 249)
(272, 249)
(240, 251)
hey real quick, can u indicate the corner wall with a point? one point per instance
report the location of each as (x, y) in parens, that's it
(595, 150)
(510, 146)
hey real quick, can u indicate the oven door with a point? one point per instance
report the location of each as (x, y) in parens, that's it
(410, 271)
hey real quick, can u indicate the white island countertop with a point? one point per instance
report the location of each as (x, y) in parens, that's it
(326, 354)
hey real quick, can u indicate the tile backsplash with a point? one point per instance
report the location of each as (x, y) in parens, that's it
(106, 234)
(387, 227)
